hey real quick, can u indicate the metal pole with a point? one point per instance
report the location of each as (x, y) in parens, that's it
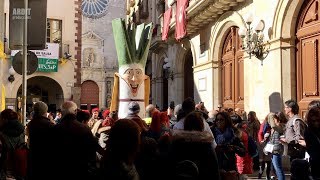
(24, 64)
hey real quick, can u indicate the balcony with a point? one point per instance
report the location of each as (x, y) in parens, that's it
(201, 12)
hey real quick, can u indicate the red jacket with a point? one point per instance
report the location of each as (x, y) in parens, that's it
(244, 164)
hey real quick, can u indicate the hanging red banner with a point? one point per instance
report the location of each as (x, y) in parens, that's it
(181, 17)
(166, 23)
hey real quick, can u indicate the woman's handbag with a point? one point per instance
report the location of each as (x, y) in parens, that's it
(268, 148)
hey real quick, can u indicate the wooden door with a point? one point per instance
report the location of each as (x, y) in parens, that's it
(307, 58)
(90, 94)
(232, 71)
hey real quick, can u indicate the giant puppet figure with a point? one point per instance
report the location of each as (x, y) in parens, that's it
(131, 83)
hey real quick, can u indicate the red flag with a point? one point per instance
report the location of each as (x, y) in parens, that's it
(166, 23)
(181, 16)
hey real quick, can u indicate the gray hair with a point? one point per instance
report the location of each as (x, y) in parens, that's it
(149, 110)
(68, 107)
(40, 108)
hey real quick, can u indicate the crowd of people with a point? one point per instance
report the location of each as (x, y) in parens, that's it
(184, 142)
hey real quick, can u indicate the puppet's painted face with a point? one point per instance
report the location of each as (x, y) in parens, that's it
(133, 76)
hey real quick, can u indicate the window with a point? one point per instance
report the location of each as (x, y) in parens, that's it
(54, 32)
(94, 8)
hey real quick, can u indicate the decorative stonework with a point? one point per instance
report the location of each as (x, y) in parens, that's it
(94, 8)
(92, 50)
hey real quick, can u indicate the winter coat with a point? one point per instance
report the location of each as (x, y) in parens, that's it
(295, 128)
(75, 149)
(313, 148)
(197, 147)
(244, 164)
(228, 145)
(12, 135)
(276, 132)
(40, 144)
(114, 169)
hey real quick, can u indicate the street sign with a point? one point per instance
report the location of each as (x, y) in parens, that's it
(37, 24)
(32, 62)
(48, 58)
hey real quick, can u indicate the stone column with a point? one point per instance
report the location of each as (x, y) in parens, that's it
(103, 95)
(153, 82)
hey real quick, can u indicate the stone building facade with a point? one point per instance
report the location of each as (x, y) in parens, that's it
(210, 65)
(99, 58)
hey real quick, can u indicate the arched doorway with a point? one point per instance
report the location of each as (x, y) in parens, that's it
(188, 76)
(232, 71)
(38, 90)
(307, 57)
(89, 95)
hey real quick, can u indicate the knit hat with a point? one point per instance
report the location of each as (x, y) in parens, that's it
(105, 113)
(94, 110)
(40, 108)
(134, 108)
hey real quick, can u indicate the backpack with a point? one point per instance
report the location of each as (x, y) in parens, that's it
(252, 147)
(294, 149)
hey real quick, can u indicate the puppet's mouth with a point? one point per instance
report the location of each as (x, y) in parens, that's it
(134, 88)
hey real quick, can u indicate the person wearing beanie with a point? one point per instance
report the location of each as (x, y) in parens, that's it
(133, 111)
(40, 133)
(94, 118)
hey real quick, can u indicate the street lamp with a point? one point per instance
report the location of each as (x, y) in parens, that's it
(253, 41)
(167, 66)
(12, 72)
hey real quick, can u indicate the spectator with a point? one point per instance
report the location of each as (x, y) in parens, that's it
(263, 139)
(133, 111)
(41, 138)
(124, 141)
(75, 146)
(150, 109)
(94, 118)
(228, 145)
(58, 116)
(312, 138)
(195, 144)
(158, 125)
(12, 136)
(277, 130)
(83, 116)
(295, 128)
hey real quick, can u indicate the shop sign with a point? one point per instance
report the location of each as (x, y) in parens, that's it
(48, 59)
